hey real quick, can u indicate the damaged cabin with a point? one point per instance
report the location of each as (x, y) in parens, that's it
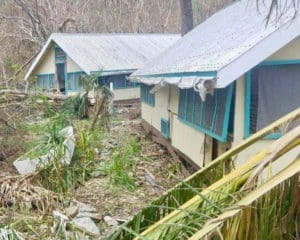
(66, 56)
(228, 78)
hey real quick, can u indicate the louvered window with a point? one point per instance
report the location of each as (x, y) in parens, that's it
(146, 96)
(210, 116)
(46, 81)
(75, 82)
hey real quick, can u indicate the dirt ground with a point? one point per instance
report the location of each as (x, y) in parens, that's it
(153, 162)
(122, 203)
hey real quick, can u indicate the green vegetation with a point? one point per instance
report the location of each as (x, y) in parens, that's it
(62, 178)
(121, 168)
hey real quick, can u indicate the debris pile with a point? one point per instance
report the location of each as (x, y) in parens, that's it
(152, 175)
(26, 165)
(97, 207)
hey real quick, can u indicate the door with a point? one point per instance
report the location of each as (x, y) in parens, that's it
(61, 76)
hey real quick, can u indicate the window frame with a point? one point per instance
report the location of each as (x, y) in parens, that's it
(222, 137)
(106, 82)
(248, 79)
(71, 76)
(60, 55)
(48, 78)
(147, 97)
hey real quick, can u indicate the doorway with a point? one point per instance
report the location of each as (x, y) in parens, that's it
(61, 76)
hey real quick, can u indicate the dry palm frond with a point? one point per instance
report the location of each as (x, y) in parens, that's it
(229, 185)
(18, 191)
(180, 194)
(235, 225)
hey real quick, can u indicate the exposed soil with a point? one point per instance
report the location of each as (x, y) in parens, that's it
(153, 161)
(122, 203)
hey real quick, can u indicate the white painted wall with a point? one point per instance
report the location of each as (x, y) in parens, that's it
(289, 52)
(191, 141)
(154, 114)
(183, 137)
(126, 94)
(47, 63)
(72, 66)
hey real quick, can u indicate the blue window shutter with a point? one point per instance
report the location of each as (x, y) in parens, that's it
(165, 128)
(182, 100)
(45, 81)
(146, 96)
(211, 116)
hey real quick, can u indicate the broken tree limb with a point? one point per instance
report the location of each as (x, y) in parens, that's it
(151, 179)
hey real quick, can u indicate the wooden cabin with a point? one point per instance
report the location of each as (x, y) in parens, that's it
(67, 56)
(228, 78)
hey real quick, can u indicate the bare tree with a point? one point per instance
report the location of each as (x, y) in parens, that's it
(278, 7)
(25, 25)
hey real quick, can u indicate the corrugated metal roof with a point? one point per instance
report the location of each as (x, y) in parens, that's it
(109, 52)
(236, 36)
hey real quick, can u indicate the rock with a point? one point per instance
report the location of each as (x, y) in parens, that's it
(83, 207)
(60, 216)
(110, 221)
(26, 165)
(72, 211)
(95, 216)
(87, 225)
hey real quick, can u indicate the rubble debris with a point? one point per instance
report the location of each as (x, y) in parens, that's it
(110, 220)
(151, 179)
(61, 217)
(83, 207)
(87, 225)
(123, 204)
(27, 165)
(19, 191)
(72, 211)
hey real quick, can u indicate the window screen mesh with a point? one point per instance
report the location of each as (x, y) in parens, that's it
(190, 98)
(221, 111)
(275, 91)
(182, 100)
(46, 81)
(197, 110)
(75, 82)
(209, 109)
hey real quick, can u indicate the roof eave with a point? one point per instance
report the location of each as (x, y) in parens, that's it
(258, 53)
(38, 58)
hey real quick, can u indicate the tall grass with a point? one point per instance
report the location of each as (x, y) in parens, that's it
(121, 167)
(61, 178)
